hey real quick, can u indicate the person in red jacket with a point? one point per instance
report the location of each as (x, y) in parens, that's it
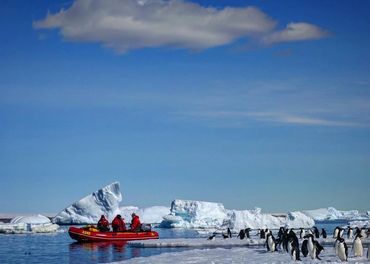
(103, 224)
(118, 224)
(135, 222)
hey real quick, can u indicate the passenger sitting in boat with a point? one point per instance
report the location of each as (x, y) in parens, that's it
(103, 224)
(135, 222)
(118, 224)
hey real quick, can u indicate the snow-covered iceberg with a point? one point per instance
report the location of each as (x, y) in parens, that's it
(331, 213)
(208, 215)
(89, 209)
(29, 224)
(151, 215)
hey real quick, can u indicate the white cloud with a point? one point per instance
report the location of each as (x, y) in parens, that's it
(296, 32)
(133, 24)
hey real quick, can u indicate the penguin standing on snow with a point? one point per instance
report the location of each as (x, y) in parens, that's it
(270, 243)
(349, 232)
(323, 233)
(316, 232)
(229, 232)
(294, 245)
(302, 233)
(314, 248)
(241, 234)
(336, 232)
(342, 251)
(357, 246)
(247, 232)
(212, 237)
(262, 234)
(304, 247)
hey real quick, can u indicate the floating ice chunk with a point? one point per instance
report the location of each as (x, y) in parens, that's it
(29, 224)
(89, 209)
(331, 213)
(360, 224)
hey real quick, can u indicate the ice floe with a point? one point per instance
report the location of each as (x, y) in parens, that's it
(331, 213)
(29, 224)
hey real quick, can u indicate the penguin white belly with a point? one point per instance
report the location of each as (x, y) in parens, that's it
(293, 254)
(271, 244)
(358, 248)
(311, 249)
(289, 246)
(335, 235)
(336, 246)
(341, 253)
(303, 233)
(350, 234)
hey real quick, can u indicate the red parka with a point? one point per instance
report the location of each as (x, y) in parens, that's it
(118, 224)
(135, 223)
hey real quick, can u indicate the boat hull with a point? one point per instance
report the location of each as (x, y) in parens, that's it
(83, 235)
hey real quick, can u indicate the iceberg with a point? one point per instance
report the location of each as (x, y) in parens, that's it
(29, 224)
(331, 213)
(88, 210)
(208, 215)
(150, 215)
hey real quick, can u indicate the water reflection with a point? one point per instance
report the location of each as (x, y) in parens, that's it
(101, 252)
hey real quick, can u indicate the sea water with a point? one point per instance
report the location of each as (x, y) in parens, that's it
(60, 248)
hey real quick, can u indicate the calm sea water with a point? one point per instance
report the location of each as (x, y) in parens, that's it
(60, 248)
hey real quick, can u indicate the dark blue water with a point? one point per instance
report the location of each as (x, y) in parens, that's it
(60, 248)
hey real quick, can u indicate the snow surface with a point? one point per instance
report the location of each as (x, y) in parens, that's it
(219, 242)
(331, 213)
(151, 215)
(235, 256)
(88, 210)
(29, 224)
(208, 215)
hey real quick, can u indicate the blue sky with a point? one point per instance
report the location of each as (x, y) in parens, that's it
(266, 106)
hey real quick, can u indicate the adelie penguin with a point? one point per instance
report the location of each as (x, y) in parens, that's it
(349, 232)
(241, 234)
(302, 233)
(316, 232)
(262, 234)
(336, 232)
(323, 233)
(211, 237)
(313, 247)
(270, 243)
(247, 230)
(342, 250)
(357, 246)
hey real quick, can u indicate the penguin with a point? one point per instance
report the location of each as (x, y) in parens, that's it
(281, 232)
(247, 232)
(241, 234)
(304, 248)
(323, 233)
(262, 234)
(294, 247)
(342, 252)
(336, 232)
(229, 232)
(225, 236)
(319, 248)
(311, 246)
(270, 243)
(316, 232)
(341, 232)
(357, 231)
(349, 232)
(357, 246)
(212, 237)
(302, 233)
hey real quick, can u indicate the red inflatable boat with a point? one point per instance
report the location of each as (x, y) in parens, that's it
(91, 234)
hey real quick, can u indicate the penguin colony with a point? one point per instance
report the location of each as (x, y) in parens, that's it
(288, 241)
